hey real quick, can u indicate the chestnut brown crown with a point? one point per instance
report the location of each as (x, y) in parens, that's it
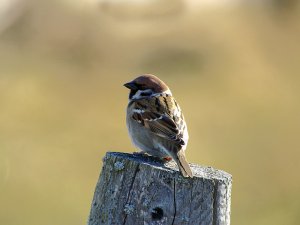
(147, 81)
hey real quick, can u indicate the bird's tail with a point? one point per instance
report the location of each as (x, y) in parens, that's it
(183, 164)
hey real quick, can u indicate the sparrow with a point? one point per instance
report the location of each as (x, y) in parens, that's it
(155, 122)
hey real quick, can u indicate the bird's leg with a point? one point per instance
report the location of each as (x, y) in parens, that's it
(167, 158)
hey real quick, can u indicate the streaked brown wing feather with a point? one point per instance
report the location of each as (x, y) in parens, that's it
(155, 115)
(161, 125)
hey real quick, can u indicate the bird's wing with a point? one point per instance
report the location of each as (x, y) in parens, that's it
(160, 124)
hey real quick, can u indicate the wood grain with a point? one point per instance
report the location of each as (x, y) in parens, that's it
(136, 189)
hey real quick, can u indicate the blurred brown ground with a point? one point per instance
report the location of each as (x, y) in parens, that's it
(234, 70)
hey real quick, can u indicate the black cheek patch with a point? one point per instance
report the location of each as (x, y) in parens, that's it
(144, 94)
(132, 93)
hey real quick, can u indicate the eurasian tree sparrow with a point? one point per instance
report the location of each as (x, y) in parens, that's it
(155, 122)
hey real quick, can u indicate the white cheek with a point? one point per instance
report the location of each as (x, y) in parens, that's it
(139, 93)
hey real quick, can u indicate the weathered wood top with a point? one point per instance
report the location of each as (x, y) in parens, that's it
(140, 189)
(200, 171)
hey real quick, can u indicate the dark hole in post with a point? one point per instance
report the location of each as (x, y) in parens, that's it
(157, 213)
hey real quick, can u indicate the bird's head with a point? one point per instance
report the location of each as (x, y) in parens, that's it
(146, 86)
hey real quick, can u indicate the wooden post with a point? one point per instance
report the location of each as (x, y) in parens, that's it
(135, 189)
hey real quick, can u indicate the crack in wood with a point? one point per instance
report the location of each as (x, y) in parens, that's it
(215, 206)
(130, 190)
(192, 186)
(174, 198)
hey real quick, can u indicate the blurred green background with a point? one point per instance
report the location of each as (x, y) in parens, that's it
(232, 65)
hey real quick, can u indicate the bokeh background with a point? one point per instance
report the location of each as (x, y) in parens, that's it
(233, 65)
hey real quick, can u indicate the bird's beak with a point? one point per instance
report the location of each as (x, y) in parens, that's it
(131, 85)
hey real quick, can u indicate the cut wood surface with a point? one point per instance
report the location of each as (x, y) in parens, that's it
(135, 189)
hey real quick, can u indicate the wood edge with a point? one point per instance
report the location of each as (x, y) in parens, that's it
(199, 171)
